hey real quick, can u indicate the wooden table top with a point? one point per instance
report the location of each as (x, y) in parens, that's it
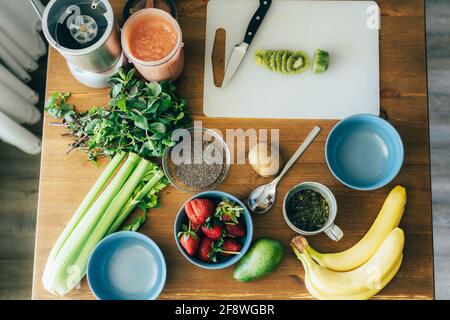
(66, 179)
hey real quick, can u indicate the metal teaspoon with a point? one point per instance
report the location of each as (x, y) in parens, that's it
(262, 198)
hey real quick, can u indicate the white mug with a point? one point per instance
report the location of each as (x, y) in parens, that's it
(331, 230)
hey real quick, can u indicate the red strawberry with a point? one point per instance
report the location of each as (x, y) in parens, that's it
(198, 210)
(195, 227)
(235, 230)
(230, 247)
(228, 211)
(188, 240)
(205, 250)
(212, 229)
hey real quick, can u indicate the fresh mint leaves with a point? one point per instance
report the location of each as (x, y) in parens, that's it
(140, 118)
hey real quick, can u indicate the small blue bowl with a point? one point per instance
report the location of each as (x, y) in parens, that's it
(126, 266)
(364, 152)
(216, 197)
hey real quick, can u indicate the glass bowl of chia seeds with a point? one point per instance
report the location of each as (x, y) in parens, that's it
(198, 162)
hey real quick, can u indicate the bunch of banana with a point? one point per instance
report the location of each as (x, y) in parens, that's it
(363, 270)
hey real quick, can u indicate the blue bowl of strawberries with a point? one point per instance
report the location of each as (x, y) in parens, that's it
(213, 230)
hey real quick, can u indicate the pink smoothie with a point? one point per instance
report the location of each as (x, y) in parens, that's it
(151, 39)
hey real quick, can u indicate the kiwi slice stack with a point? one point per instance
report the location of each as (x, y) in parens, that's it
(282, 61)
(291, 62)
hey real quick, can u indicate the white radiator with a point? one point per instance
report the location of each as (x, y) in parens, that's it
(20, 47)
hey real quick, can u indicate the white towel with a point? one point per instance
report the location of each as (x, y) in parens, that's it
(11, 81)
(16, 135)
(16, 107)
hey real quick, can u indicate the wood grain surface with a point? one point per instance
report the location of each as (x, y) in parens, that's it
(66, 179)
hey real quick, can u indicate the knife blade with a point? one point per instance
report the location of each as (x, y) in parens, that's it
(240, 50)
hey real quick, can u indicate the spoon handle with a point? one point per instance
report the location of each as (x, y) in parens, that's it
(309, 139)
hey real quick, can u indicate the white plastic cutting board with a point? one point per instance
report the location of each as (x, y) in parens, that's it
(350, 86)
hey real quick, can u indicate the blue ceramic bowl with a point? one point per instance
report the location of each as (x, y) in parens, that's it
(216, 197)
(364, 152)
(126, 266)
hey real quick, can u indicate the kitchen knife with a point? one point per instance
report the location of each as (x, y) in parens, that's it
(240, 50)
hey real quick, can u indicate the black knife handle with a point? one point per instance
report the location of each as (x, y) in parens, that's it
(264, 6)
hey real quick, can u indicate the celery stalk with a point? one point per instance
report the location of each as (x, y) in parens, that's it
(84, 206)
(133, 202)
(110, 215)
(62, 274)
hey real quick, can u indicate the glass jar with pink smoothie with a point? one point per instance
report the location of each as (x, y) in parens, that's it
(153, 42)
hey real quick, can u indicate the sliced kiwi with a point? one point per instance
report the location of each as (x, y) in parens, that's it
(279, 59)
(284, 60)
(290, 62)
(321, 61)
(259, 57)
(267, 58)
(273, 61)
(297, 62)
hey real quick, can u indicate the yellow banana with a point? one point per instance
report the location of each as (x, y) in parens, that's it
(389, 217)
(365, 277)
(365, 295)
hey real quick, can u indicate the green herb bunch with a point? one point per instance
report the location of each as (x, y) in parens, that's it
(140, 118)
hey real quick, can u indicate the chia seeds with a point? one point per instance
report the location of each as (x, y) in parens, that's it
(202, 171)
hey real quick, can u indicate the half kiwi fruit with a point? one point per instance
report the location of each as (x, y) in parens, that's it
(321, 61)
